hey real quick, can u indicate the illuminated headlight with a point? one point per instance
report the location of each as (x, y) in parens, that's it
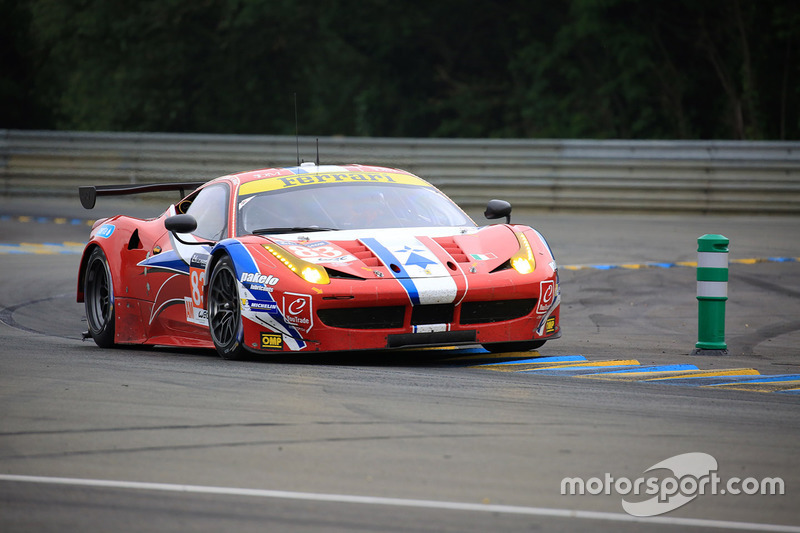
(314, 275)
(308, 271)
(523, 261)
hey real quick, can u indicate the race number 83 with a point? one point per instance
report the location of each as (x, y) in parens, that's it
(197, 279)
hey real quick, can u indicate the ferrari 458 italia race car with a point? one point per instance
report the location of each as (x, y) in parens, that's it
(316, 258)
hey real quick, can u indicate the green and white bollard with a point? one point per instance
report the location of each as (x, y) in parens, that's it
(712, 293)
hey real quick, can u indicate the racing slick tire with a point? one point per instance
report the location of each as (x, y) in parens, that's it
(520, 346)
(224, 311)
(98, 290)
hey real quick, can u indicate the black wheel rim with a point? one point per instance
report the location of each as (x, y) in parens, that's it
(98, 297)
(224, 310)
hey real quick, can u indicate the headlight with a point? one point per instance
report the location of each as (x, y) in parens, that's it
(523, 261)
(308, 271)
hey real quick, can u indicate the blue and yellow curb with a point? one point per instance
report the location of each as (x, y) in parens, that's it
(46, 248)
(677, 264)
(630, 370)
(48, 220)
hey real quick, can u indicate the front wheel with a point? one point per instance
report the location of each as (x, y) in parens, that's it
(98, 291)
(225, 311)
(521, 346)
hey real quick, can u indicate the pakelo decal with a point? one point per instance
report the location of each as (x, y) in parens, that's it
(257, 277)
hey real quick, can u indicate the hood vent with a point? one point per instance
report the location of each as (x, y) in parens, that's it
(455, 251)
(361, 252)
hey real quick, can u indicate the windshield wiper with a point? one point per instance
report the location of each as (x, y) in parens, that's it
(295, 229)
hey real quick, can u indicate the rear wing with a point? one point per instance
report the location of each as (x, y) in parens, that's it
(89, 193)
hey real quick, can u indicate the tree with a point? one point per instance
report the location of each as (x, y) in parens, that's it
(640, 69)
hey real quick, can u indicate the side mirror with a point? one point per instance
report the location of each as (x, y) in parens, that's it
(181, 224)
(498, 209)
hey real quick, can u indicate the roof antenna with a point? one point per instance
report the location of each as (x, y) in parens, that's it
(296, 130)
(317, 151)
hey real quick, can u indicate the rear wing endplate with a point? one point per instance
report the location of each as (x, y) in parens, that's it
(89, 193)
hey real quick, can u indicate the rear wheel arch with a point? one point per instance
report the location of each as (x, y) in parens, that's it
(87, 253)
(97, 283)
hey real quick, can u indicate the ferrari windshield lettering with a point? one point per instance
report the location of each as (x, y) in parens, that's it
(292, 181)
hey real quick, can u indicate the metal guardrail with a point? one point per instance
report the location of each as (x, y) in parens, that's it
(652, 176)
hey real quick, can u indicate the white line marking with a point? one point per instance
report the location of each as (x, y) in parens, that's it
(401, 502)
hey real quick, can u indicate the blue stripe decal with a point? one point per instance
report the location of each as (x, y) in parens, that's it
(244, 262)
(169, 261)
(387, 258)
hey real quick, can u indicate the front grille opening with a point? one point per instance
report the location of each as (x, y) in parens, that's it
(342, 275)
(504, 266)
(495, 311)
(363, 317)
(432, 314)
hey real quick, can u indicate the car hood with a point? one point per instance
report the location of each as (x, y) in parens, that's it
(413, 253)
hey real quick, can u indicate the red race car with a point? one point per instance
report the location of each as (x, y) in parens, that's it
(316, 258)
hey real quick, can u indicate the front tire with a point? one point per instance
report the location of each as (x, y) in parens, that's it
(225, 311)
(98, 291)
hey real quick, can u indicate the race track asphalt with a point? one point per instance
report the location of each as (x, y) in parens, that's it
(180, 440)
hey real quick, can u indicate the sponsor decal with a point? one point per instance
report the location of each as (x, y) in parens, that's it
(199, 261)
(299, 180)
(431, 328)
(105, 231)
(256, 277)
(271, 341)
(317, 252)
(260, 287)
(550, 326)
(195, 315)
(335, 177)
(547, 295)
(262, 306)
(244, 260)
(297, 310)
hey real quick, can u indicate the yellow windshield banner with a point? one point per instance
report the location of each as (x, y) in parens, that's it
(299, 180)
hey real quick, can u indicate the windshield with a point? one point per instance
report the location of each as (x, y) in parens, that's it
(345, 206)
